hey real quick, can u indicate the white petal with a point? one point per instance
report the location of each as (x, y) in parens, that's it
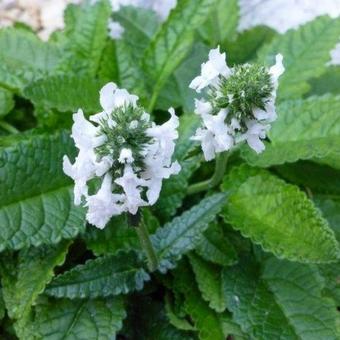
(116, 30)
(106, 97)
(202, 107)
(277, 69)
(125, 156)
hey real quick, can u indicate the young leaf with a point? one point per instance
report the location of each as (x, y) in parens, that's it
(280, 218)
(285, 303)
(172, 42)
(81, 319)
(209, 281)
(36, 198)
(305, 54)
(85, 36)
(305, 129)
(184, 232)
(23, 57)
(65, 93)
(222, 22)
(21, 286)
(105, 276)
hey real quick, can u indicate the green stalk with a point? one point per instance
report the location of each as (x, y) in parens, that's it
(7, 127)
(220, 166)
(138, 223)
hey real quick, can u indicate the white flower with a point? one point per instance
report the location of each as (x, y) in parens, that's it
(228, 111)
(125, 156)
(163, 8)
(116, 30)
(103, 205)
(106, 149)
(211, 70)
(131, 185)
(215, 136)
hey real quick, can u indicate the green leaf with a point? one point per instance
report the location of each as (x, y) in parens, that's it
(23, 57)
(172, 42)
(222, 22)
(331, 275)
(23, 283)
(81, 319)
(279, 217)
(105, 276)
(118, 235)
(184, 232)
(205, 319)
(176, 91)
(208, 277)
(174, 189)
(215, 246)
(108, 67)
(305, 129)
(65, 93)
(327, 83)
(286, 302)
(85, 36)
(305, 54)
(36, 198)
(6, 102)
(246, 45)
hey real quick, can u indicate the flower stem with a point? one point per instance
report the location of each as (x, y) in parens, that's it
(7, 127)
(220, 166)
(144, 239)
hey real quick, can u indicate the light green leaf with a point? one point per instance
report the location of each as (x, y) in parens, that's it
(108, 67)
(209, 281)
(105, 276)
(172, 42)
(222, 22)
(215, 246)
(6, 102)
(85, 36)
(206, 320)
(23, 57)
(65, 93)
(279, 217)
(36, 198)
(305, 129)
(286, 302)
(27, 279)
(305, 51)
(184, 232)
(81, 319)
(327, 83)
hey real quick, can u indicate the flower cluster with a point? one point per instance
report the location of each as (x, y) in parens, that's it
(123, 148)
(239, 103)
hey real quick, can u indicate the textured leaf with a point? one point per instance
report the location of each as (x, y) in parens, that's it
(327, 83)
(6, 102)
(81, 319)
(65, 93)
(331, 275)
(209, 281)
(222, 22)
(108, 67)
(279, 217)
(215, 246)
(85, 36)
(173, 41)
(305, 129)
(23, 283)
(104, 276)
(184, 232)
(206, 320)
(24, 57)
(174, 189)
(305, 54)
(246, 45)
(288, 301)
(36, 198)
